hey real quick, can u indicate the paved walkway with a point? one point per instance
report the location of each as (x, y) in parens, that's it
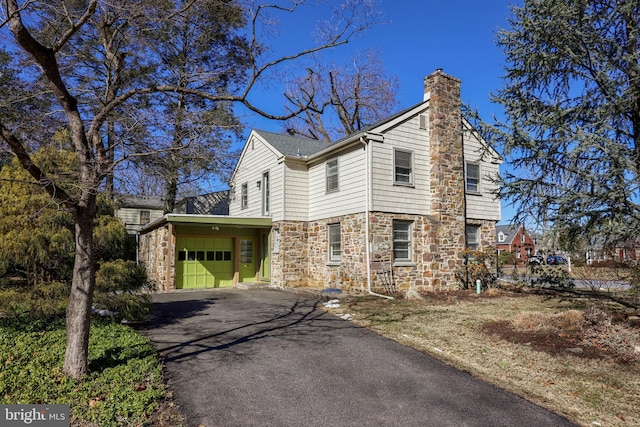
(263, 357)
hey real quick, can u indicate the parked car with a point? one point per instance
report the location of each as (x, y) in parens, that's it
(556, 260)
(536, 259)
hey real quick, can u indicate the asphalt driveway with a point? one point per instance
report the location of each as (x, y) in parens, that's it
(264, 357)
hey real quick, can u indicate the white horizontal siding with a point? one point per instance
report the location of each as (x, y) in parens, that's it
(256, 159)
(351, 195)
(484, 205)
(130, 217)
(296, 192)
(386, 196)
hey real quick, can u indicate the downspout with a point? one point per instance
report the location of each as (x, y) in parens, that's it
(366, 216)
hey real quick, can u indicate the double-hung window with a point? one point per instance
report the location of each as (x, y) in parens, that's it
(145, 217)
(402, 241)
(332, 175)
(335, 244)
(471, 235)
(244, 196)
(402, 167)
(473, 177)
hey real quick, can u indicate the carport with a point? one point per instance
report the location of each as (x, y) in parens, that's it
(182, 251)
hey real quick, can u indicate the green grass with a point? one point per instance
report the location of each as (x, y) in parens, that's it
(123, 388)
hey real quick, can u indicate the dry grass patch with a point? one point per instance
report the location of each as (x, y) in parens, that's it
(548, 350)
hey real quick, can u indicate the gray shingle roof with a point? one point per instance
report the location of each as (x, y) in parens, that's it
(293, 145)
(509, 232)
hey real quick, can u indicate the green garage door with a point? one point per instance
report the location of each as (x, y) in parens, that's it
(204, 262)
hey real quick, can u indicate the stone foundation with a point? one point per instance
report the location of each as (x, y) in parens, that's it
(303, 259)
(156, 252)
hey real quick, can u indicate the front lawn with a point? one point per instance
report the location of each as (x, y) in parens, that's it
(576, 356)
(124, 387)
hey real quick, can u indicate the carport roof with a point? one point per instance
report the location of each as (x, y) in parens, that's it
(221, 220)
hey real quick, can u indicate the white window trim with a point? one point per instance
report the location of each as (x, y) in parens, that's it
(333, 257)
(409, 258)
(244, 195)
(411, 171)
(266, 193)
(327, 175)
(466, 178)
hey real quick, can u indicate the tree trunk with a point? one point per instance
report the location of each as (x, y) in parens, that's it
(80, 299)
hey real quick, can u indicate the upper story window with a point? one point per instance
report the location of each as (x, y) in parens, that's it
(244, 196)
(522, 237)
(401, 240)
(501, 237)
(145, 217)
(332, 175)
(471, 233)
(265, 193)
(473, 177)
(335, 244)
(403, 167)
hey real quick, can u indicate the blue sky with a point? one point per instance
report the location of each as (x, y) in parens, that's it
(458, 36)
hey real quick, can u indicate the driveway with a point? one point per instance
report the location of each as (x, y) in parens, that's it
(264, 357)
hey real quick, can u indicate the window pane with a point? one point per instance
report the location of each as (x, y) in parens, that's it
(402, 240)
(471, 234)
(210, 255)
(265, 193)
(335, 245)
(403, 166)
(244, 196)
(473, 177)
(332, 175)
(182, 255)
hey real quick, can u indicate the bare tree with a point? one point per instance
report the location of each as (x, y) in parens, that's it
(49, 37)
(345, 99)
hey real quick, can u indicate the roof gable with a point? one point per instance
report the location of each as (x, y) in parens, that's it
(508, 231)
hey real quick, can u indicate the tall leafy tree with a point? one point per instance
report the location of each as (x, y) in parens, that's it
(62, 46)
(572, 104)
(345, 98)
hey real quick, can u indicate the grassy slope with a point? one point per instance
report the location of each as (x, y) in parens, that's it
(589, 387)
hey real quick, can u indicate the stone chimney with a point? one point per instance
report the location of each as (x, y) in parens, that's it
(447, 168)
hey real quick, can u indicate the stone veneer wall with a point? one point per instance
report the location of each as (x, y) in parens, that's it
(351, 272)
(290, 265)
(432, 268)
(446, 177)
(156, 253)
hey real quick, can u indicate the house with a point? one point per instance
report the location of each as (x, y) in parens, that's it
(403, 197)
(137, 211)
(514, 238)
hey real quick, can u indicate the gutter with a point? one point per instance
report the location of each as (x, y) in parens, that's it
(364, 140)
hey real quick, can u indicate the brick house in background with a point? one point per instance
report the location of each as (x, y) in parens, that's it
(516, 239)
(406, 196)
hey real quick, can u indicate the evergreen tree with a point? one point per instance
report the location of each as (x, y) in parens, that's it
(572, 104)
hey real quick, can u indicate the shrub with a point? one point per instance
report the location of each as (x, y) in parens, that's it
(479, 265)
(122, 286)
(46, 301)
(550, 276)
(599, 330)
